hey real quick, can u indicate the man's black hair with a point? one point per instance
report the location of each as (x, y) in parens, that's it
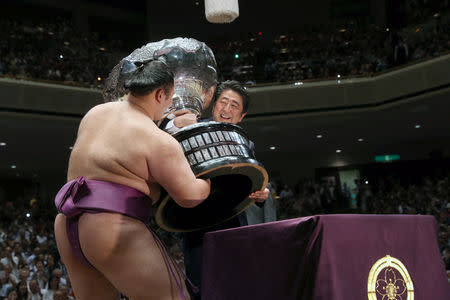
(150, 76)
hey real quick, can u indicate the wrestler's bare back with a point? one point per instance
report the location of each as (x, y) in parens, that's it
(118, 142)
(114, 143)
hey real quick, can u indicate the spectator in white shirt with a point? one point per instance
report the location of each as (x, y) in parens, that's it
(35, 290)
(53, 285)
(9, 259)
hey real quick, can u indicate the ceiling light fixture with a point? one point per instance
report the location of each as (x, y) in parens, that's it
(417, 126)
(13, 166)
(319, 136)
(338, 151)
(272, 147)
(360, 140)
(2, 144)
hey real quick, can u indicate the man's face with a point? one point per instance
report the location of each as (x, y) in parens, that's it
(23, 274)
(39, 265)
(34, 287)
(228, 108)
(58, 295)
(23, 287)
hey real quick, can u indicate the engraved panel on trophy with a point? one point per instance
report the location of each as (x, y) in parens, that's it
(244, 151)
(239, 150)
(214, 136)
(233, 149)
(186, 145)
(226, 135)
(206, 138)
(221, 150)
(226, 149)
(213, 152)
(235, 137)
(200, 140)
(242, 140)
(199, 156)
(192, 160)
(220, 136)
(193, 142)
(206, 154)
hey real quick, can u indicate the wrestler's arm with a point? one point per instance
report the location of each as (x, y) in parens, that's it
(182, 119)
(170, 168)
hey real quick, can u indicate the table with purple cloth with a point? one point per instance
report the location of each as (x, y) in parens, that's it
(333, 257)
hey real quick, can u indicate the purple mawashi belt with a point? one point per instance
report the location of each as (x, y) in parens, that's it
(94, 196)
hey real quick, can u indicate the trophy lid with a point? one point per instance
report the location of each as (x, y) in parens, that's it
(192, 63)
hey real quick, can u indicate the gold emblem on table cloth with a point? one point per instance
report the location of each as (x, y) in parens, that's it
(389, 280)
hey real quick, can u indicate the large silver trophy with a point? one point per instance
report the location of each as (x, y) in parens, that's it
(219, 151)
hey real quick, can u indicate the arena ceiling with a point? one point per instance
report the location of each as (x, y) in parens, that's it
(158, 19)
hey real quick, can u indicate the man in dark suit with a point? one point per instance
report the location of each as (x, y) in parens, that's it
(230, 105)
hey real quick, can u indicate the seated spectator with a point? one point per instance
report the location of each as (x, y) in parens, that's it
(6, 286)
(65, 292)
(35, 290)
(286, 193)
(9, 259)
(58, 273)
(59, 295)
(12, 295)
(71, 57)
(53, 286)
(22, 291)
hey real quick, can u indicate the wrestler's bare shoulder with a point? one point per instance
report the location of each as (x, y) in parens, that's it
(103, 108)
(140, 130)
(97, 112)
(120, 114)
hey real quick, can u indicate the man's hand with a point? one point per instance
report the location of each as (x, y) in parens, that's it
(184, 118)
(260, 196)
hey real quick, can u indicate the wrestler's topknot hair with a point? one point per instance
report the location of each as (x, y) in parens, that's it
(148, 76)
(236, 87)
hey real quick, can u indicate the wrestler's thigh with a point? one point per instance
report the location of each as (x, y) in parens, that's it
(87, 282)
(129, 258)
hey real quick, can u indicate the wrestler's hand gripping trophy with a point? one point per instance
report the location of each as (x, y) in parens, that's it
(219, 151)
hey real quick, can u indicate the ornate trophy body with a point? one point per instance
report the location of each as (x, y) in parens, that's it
(219, 151)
